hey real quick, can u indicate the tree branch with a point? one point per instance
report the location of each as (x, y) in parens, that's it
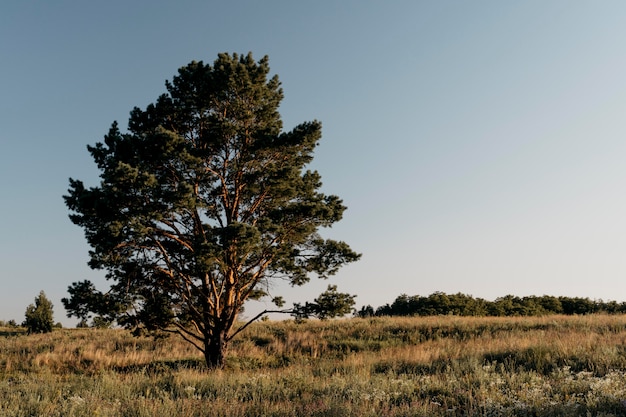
(258, 316)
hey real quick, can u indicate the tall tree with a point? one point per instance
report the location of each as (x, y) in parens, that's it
(204, 203)
(39, 316)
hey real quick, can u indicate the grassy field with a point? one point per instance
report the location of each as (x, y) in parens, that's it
(436, 366)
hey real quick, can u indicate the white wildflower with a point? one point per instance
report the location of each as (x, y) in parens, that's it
(77, 399)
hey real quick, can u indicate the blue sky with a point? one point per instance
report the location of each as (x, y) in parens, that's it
(479, 146)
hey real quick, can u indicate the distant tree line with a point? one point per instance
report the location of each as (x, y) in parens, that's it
(460, 304)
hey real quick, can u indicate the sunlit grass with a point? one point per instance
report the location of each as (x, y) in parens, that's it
(434, 366)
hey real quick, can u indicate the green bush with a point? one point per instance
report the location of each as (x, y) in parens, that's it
(39, 316)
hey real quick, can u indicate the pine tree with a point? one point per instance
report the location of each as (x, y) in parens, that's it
(203, 204)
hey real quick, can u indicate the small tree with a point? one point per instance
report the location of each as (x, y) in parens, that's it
(366, 311)
(39, 316)
(328, 305)
(202, 205)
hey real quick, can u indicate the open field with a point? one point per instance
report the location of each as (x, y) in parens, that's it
(435, 366)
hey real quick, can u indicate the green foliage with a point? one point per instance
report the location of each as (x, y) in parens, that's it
(465, 305)
(202, 204)
(86, 302)
(100, 322)
(39, 316)
(328, 305)
(332, 304)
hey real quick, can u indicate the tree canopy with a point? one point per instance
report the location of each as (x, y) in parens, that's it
(459, 304)
(39, 316)
(328, 305)
(202, 205)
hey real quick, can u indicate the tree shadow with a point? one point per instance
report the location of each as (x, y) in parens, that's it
(12, 332)
(163, 366)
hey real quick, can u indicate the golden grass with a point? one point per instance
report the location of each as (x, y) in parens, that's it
(541, 366)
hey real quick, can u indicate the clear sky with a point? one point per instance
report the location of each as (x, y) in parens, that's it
(480, 146)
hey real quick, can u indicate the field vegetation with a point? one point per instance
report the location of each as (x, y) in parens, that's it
(401, 366)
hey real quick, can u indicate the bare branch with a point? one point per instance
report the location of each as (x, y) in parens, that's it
(258, 316)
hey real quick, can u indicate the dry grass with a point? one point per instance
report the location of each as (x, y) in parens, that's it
(434, 366)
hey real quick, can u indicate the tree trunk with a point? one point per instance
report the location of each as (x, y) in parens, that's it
(215, 350)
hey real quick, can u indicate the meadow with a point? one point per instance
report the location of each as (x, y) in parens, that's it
(421, 366)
